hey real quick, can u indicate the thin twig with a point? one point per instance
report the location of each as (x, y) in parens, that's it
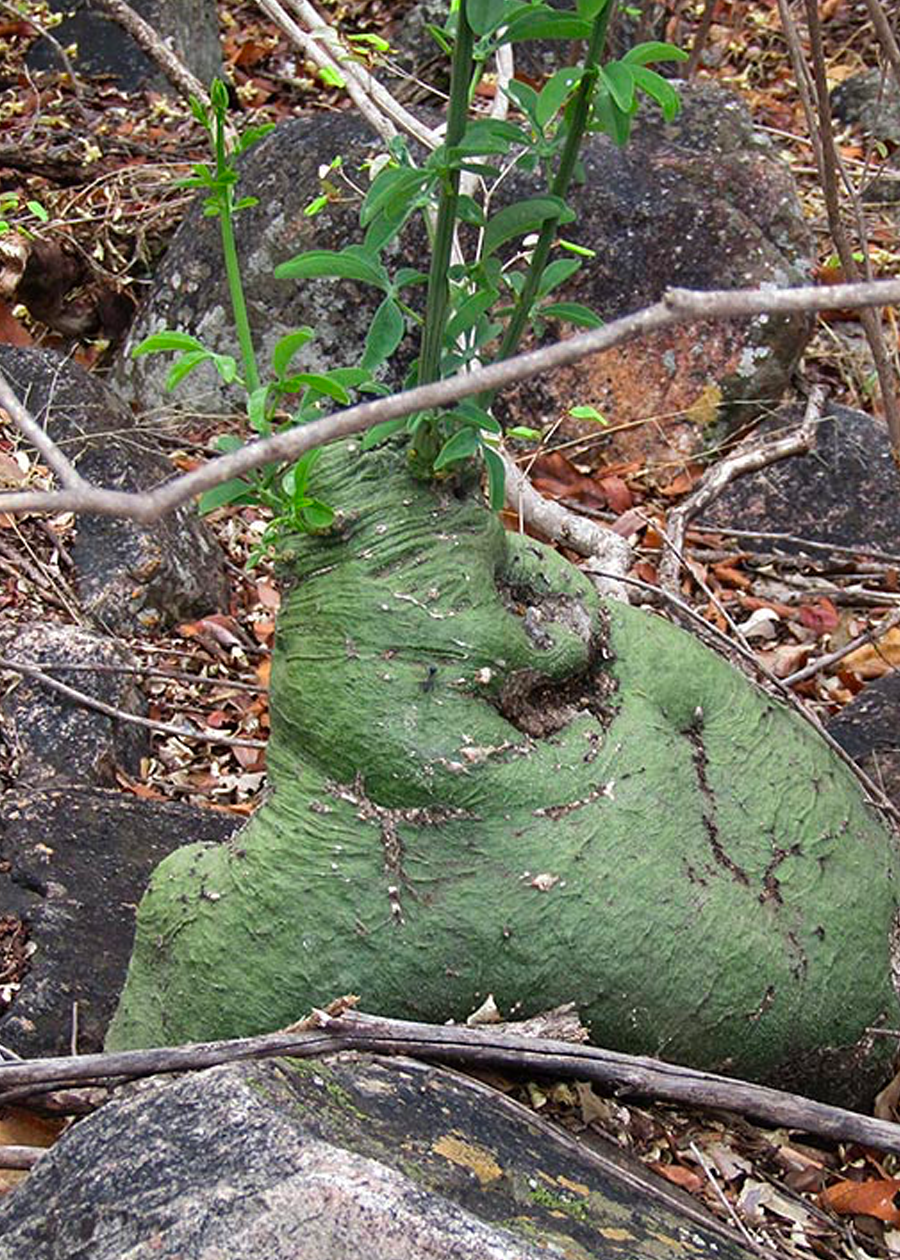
(90, 702)
(749, 457)
(677, 306)
(886, 37)
(481, 1046)
(825, 662)
(146, 38)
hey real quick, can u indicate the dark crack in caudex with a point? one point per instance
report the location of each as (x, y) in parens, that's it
(694, 734)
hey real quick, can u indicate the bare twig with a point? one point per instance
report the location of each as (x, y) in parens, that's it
(23, 1157)
(484, 1047)
(871, 321)
(146, 38)
(120, 715)
(605, 549)
(886, 37)
(749, 457)
(40, 439)
(677, 306)
(825, 662)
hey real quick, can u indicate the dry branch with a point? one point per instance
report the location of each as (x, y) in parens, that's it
(147, 39)
(677, 306)
(481, 1047)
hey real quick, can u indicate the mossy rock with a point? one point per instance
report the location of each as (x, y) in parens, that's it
(485, 779)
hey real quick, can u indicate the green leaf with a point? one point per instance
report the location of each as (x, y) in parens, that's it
(590, 9)
(462, 445)
(470, 414)
(523, 217)
(184, 365)
(159, 342)
(340, 266)
(408, 276)
(296, 479)
(317, 515)
(323, 383)
(485, 16)
(385, 334)
(38, 211)
(244, 203)
(556, 92)
(379, 432)
(490, 135)
(527, 435)
(572, 313)
(198, 109)
(556, 273)
(331, 77)
(469, 314)
(226, 366)
(653, 50)
(393, 189)
(609, 118)
(619, 79)
(315, 206)
(227, 442)
(374, 41)
(581, 250)
(256, 409)
(496, 478)
(588, 413)
(545, 23)
(234, 491)
(523, 95)
(660, 90)
(287, 346)
(251, 136)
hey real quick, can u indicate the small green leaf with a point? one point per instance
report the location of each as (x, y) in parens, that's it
(619, 79)
(234, 491)
(587, 413)
(590, 9)
(317, 515)
(380, 432)
(572, 313)
(556, 273)
(256, 409)
(523, 95)
(244, 203)
(322, 383)
(218, 95)
(496, 478)
(462, 445)
(226, 366)
(287, 346)
(374, 41)
(385, 334)
(581, 250)
(331, 78)
(526, 434)
(198, 109)
(315, 206)
(542, 22)
(660, 90)
(159, 342)
(653, 50)
(469, 314)
(556, 92)
(38, 211)
(184, 365)
(469, 413)
(485, 16)
(227, 442)
(345, 265)
(523, 217)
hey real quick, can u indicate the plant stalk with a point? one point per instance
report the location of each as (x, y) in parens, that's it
(232, 266)
(560, 187)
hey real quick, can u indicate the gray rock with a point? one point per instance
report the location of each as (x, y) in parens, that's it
(844, 492)
(129, 577)
(870, 100)
(54, 738)
(189, 27)
(704, 202)
(868, 728)
(74, 862)
(337, 1159)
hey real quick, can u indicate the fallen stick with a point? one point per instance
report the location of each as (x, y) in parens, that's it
(323, 1034)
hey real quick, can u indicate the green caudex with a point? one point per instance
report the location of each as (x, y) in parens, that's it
(484, 779)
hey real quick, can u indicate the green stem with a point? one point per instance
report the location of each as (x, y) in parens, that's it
(438, 299)
(232, 266)
(559, 188)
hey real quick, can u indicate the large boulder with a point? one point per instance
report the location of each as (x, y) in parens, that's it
(335, 1160)
(486, 780)
(129, 577)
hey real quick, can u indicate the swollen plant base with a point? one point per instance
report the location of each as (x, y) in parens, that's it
(484, 779)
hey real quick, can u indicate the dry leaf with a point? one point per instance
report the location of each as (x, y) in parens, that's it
(880, 1198)
(876, 659)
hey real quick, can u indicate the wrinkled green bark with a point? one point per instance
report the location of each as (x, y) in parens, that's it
(487, 780)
